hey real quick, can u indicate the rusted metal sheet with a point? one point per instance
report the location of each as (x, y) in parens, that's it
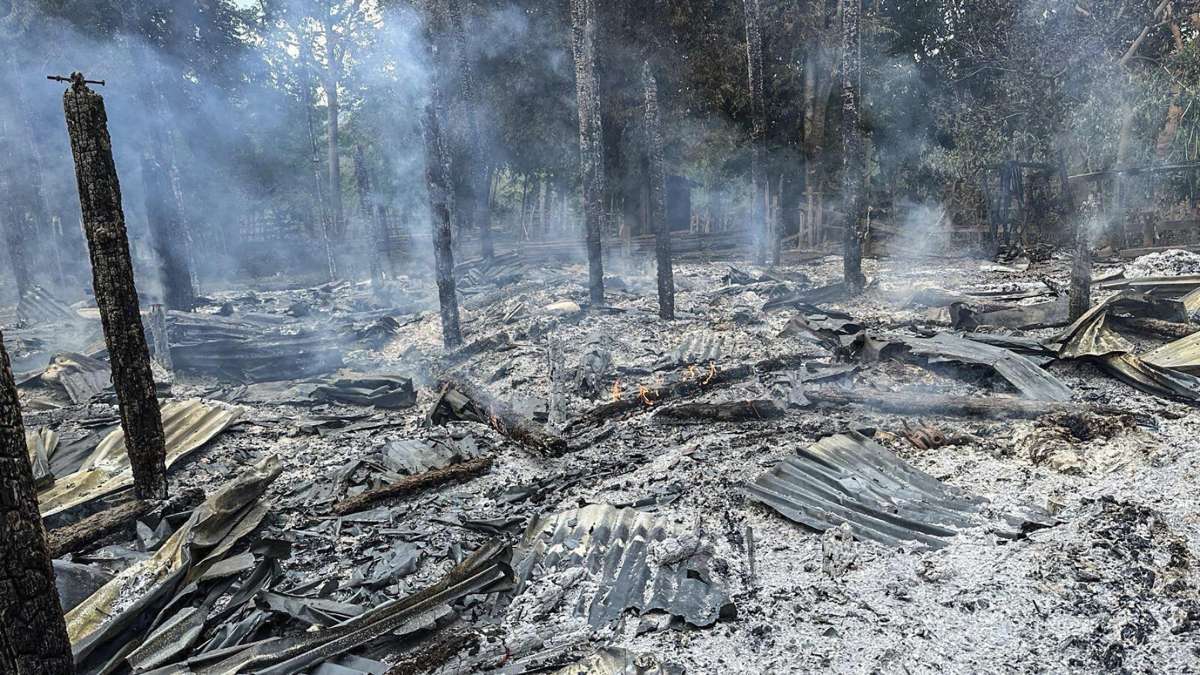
(614, 545)
(188, 425)
(849, 478)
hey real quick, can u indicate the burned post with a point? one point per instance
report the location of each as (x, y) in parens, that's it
(767, 246)
(112, 280)
(852, 150)
(658, 197)
(369, 208)
(591, 138)
(437, 169)
(33, 635)
(1080, 294)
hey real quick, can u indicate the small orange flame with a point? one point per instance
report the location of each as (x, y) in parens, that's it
(616, 390)
(646, 395)
(712, 371)
(693, 373)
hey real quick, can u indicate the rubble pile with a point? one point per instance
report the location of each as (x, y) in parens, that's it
(782, 479)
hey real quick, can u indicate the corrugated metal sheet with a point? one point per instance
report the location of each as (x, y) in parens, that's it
(613, 545)
(38, 306)
(1030, 379)
(188, 425)
(848, 478)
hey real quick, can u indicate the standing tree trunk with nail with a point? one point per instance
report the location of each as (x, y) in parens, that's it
(658, 197)
(437, 179)
(591, 138)
(852, 150)
(33, 635)
(766, 245)
(112, 281)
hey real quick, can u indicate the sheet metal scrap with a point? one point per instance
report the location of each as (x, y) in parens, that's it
(38, 306)
(1025, 375)
(1090, 337)
(484, 571)
(42, 443)
(381, 391)
(81, 377)
(250, 349)
(614, 546)
(188, 425)
(122, 614)
(848, 478)
(1182, 355)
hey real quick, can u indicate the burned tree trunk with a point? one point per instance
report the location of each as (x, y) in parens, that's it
(33, 635)
(164, 214)
(1080, 297)
(591, 138)
(852, 149)
(437, 179)
(658, 197)
(759, 223)
(112, 280)
(12, 216)
(336, 216)
(370, 211)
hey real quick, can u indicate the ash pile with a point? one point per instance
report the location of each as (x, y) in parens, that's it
(782, 478)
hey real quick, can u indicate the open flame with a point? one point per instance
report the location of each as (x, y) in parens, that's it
(616, 390)
(646, 395)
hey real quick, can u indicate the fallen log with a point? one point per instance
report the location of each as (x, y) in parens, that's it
(416, 483)
(701, 381)
(75, 537)
(1156, 327)
(1002, 407)
(463, 401)
(725, 411)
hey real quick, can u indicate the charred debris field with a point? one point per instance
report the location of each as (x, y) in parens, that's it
(378, 337)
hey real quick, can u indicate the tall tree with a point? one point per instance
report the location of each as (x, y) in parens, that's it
(766, 246)
(33, 635)
(852, 149)
(591, 139)
(437, 178)
(112, 281)
(658, 196)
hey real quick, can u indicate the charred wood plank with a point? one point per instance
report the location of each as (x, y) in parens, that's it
(1156, 327)
(726, 411)
(416, 483)
(463, 401)
(77, 536)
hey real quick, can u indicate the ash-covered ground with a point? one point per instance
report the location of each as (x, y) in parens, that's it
(1112, 586)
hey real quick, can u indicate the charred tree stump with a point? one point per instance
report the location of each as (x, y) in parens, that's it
(767, 246)
(112, 280)
(436, 178)
(591, 138)
(658, 197)
(33, 635)
(410, 484)
(463, 401)
(852, 149)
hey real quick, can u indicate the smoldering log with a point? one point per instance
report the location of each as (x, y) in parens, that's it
(725, 411)
(461, 400)
(1155, 327)
(852, 151)
(437, 179)
(78, 536)
(658, 197)
(112, 281)
(994, 407)
(412, 484)
(591, 139)
(32, 631)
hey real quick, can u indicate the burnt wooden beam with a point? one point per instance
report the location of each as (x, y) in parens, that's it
(112, 281)
(992, 407)
(461, 400)
(78, 536)
(412, 484)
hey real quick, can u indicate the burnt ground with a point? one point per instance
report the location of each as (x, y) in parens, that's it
(1112, 586)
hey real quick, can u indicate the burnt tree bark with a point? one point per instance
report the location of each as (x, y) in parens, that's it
(591, 138)
(471, 175)
(658, 197)
(12, 216)
(437, 172)
(332, 71)
(767, 246)
(369, 207)
(112, 280)
(852, 149)
(33, 635)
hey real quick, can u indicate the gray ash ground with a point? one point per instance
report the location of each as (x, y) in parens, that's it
(1113, 587)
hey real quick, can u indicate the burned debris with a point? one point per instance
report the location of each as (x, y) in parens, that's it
(741, 337)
